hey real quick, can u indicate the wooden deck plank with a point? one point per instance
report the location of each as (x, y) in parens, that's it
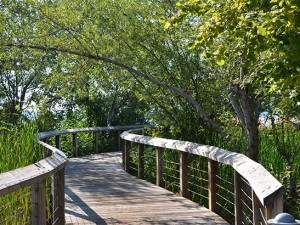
(98, 191)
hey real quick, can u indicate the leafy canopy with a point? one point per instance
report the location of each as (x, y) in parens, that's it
(261, 35)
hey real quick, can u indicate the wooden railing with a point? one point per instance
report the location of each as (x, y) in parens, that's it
(254, 187)
(51, 168)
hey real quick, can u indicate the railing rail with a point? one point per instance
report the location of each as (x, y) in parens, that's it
(265, 192)
(52, 167)
(254, 186)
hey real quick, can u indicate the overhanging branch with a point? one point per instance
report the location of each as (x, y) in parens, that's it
(132, 70)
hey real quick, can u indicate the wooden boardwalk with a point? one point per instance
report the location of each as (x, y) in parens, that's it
(98, 191)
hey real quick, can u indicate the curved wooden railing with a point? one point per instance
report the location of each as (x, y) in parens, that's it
(266, 199)
(266, 193)
(51, 167)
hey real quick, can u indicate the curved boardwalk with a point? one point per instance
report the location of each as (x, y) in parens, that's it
(98, 191)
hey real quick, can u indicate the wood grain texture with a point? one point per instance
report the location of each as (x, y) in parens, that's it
(26, 176)
(266, 187)
(98, 191)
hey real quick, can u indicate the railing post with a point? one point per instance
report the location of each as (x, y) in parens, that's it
(45, 149)
(237, 198)
(96, 138)
(58, 196)
(184, 180)
(212, 185)
(159, 166)
(127, 156)
(38, 195)
(57, 142)
(141, 161)
(118, 141)
(255, 208)
(275, 208)
(75, 145)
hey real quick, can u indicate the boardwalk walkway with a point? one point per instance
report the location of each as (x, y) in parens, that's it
(98, 191)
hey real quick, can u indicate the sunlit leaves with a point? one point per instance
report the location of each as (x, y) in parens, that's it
(249, 30)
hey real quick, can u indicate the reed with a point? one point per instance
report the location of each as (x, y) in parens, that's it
(18, 148)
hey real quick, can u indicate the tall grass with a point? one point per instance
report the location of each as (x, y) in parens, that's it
(18, 148)
(279, 154)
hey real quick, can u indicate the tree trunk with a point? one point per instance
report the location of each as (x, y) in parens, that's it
(250, 119)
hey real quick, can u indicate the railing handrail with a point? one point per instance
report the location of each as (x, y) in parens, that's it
(35, 175)
(265, 185)
(265, 188)
(47, 134)
(18, 178)
(26, 176)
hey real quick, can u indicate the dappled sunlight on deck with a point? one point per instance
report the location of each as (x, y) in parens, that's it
(98, 191)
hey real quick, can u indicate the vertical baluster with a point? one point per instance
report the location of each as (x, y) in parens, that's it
(255, 208)
(237, 198)
(75, 145)
(127, 156)
(141, 161)
(118, 141)
(212, 185)
(58, 142)
(58, 195)
(45, 149)
(159, 166)
(184, 180)
(38, 195)
(96, 138)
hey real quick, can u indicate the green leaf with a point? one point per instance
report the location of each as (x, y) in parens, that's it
(262, 31)
(221, 62)
(167, 25)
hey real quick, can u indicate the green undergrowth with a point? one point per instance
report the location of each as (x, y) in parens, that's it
(18, 148)
(279, 154)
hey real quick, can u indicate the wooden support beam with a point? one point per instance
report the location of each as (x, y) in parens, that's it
(184, 179)
(141, 150)
(275, 208)
(159, 166)
(237, 198)
(96, 139)
(38, 196)
(75, 145)
(118, 141)
(255, 208)
(212, 185)
(127, 156)
(58, 197)
(45, 149)
(58, 142)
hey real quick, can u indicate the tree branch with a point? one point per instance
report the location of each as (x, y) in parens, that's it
(135, 71)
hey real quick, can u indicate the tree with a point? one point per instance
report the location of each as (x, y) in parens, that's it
(129, 35)
(253, 37)
(261, 36)
(21, 82)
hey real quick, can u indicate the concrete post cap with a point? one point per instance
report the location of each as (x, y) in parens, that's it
(284, 219)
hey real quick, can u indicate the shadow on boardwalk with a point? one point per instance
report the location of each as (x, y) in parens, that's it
(98, 191)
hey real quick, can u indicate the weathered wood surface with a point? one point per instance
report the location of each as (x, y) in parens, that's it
(26, 176)
(46, 134)
(98, 191)
(265, 186)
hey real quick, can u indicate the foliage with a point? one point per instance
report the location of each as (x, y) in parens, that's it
(18, 148)
(98, 63)
(262, 36)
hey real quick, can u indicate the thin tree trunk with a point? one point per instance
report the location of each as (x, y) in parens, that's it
(250, 119)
